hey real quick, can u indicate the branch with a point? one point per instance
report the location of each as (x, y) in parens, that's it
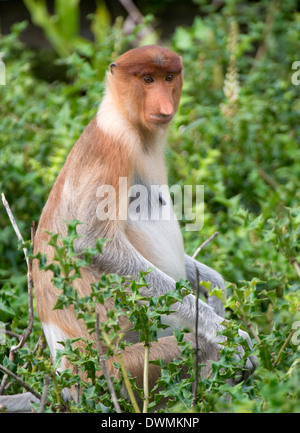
(44, 395)
(135, 17)
(14, 224)
(251, 327)
(30, 297)
(38, 349)
(268, 26)
(254, 333)
(296, 267)
(277, 360)
(204, 244)
(122, 365)
(194, 401)
(132, 10)
(20, 381)
(28, 331)
(127, 383)
(104, 367)
(196, 349)
(11, 334)
(146, 378)
(267, 178)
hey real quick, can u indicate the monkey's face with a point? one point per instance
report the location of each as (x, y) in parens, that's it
(148, 81)
(161, 92)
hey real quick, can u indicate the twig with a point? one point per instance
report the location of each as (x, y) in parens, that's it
(251, 327)
(38, 349)
(14, 224)
(135, 17)
(77, 393)
(194, 401)
(20, 381)
(127, 384)
(28, 331)
(30, 296)
(269, 22)
(296, 266)
(267, 178)
(11, 334)
(212, 237)
(277, 360)
(104, 368)
(57, 390)
(146, 378)
(254, 333)
(44, 395)
(204, 244)
(132, 10)
(123, 369)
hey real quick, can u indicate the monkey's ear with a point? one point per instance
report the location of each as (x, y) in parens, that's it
(112, 66)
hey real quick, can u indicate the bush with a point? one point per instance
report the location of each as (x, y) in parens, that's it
(236, 132)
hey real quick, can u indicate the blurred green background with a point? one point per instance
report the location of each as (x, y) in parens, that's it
(236, 132)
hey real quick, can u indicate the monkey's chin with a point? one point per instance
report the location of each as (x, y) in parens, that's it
(156, 119)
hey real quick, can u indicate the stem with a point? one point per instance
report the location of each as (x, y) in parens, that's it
(57, 391)
(132, 10)
(269, 22)
(123, 369)
(193, 404)
(242, 316)
(28, 331)
(146, 378)
(44, 395)
(104, 368)
(14, 224)
(204, 244)
(277, 360)
(127, 384)
(296, 266)
(250, 326)
(39, 349)
(20, 381)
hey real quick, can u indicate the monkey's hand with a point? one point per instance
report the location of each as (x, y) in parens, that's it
(249, 364)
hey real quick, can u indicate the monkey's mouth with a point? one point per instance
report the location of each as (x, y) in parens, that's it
(160, 118)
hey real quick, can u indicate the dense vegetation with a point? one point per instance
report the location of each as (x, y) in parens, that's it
(236, 132)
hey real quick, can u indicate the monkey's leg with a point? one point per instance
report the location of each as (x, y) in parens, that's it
(165, 348)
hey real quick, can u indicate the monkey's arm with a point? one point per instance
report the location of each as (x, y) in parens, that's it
(120, 257)
(205, 274)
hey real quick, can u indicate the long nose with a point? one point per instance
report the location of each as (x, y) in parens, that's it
(166, 107)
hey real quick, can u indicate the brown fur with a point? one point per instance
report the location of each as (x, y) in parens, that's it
(122, 141)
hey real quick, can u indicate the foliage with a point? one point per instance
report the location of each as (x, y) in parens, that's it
(236, 132)
(144, 314)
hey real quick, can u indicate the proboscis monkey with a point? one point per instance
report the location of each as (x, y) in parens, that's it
(123, 148)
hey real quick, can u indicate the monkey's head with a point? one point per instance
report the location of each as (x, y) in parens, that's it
(147, 83)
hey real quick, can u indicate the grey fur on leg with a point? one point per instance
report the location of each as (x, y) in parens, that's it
(210, 275)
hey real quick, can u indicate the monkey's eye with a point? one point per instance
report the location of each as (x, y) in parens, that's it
(170, 77)
(148, 79)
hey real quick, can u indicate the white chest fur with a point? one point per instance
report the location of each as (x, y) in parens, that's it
(151, 225)
(154, 229)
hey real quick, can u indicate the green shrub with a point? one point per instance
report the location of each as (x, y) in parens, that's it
(236, 132)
